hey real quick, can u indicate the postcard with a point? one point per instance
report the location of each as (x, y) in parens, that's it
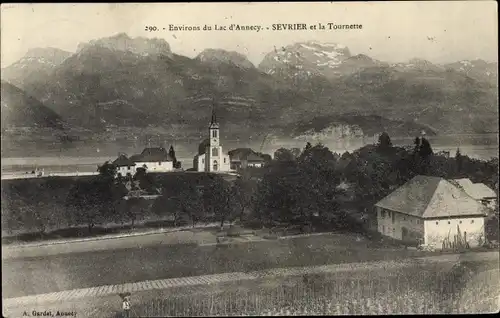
(232, 159)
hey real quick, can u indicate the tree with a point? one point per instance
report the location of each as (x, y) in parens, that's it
(295, 192)
(296, 152)
(133, 208)
(192, 203)
(171, 153)
(217, 195)
(417, 145)
(425, 150)
(384, 141)
(146, 182)
(425, 154)
(107, 170)
(242, 193)
(458, 160)
(283, 154)
(318, 156)
(92, 202)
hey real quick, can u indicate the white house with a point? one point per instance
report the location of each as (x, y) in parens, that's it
(242, 158)
(210, 157)
(433, 211)
(478, 191)
(154, 160)
(124, 166)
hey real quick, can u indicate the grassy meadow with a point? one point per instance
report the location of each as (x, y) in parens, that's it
(427, 289)
(408, 288)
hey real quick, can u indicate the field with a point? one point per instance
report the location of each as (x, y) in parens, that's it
(417, 290)
(88, 269)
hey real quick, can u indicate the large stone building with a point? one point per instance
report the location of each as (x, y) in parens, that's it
(154, 160)
(151, 159)
(432, 211)
(210, 157)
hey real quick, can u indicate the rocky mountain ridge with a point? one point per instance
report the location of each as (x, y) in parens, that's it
(124, 82)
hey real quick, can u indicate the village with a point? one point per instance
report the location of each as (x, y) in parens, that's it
(210, 158)
(428, 212)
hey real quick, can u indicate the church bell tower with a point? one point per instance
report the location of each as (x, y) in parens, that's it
(214, 131)
(213, 153)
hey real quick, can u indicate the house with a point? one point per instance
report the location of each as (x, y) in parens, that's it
(210, 157)
(124, 166)
(478, 191)
(432, 211)
(242, 158)
(154, 160)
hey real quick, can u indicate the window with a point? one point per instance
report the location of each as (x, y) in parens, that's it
(216, 166)
(202, 160)
(460, 222)
(224, 160)
(214, 133)
(382, 213)
(449, 222)
(128, 168)
(215, 152)
(159, 163)
(437, 223)
(383, 229)
(393, 216)
(471, 221)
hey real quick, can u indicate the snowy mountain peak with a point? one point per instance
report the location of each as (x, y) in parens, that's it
(310, 57)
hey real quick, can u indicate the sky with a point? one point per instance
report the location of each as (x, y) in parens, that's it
(440, 32)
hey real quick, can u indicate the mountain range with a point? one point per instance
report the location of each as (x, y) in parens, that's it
(121, 82)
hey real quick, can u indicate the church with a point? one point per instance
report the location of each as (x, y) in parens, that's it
(210, 157)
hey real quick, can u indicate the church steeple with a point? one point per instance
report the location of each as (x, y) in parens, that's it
(213, 129)
(213, 121)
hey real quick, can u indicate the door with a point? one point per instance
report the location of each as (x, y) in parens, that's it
(404, 234)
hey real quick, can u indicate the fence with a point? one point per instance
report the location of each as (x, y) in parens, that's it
(348, 297)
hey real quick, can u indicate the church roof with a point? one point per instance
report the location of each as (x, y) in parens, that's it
(203, 146)
(431, 197)
(213, 120)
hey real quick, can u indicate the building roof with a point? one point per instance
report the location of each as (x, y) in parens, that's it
(431, 197)
(203, 146)
(213, 120)
(123, 161)
(254, 157)
(248, 154)
(476, 190)
(152, 155)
